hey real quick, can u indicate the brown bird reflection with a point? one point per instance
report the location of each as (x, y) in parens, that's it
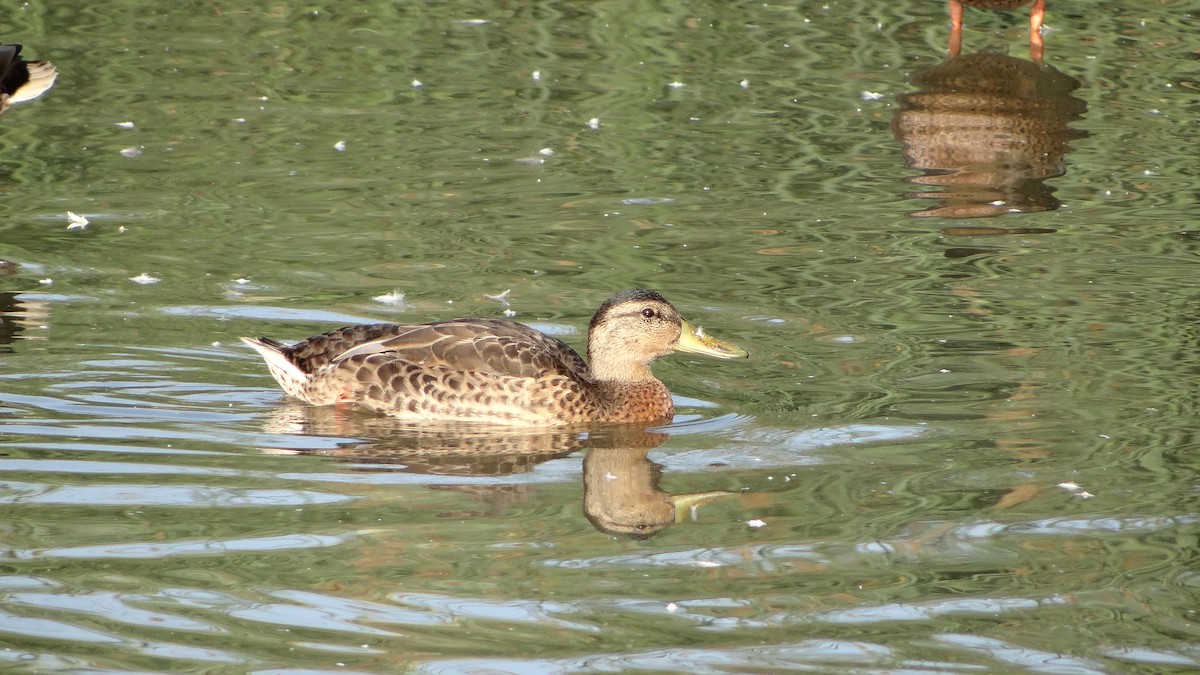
(21, 317)
(18, 315)
(621, 493)
(989, 130)
(22, 80)
(620, 488)
(387, 444)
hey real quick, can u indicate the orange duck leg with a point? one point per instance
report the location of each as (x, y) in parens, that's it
(1036, 15)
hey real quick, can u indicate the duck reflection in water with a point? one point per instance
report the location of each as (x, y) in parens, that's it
(620, 483)
(10, 321)
(20, 316)
(621, 494)
(384, 444)
(989, 130)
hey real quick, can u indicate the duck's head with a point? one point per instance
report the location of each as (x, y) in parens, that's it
(636, 326)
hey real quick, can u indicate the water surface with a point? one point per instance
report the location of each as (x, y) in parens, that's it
(961, 443)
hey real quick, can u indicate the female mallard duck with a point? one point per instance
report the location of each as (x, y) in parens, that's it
(498, 372)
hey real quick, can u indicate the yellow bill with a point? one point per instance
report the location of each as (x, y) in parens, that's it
(684, 503)
(695, 341)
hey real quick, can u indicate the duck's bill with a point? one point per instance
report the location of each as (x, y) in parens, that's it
(696, 341)
(684, 503)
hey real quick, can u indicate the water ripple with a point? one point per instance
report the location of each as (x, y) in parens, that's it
(114, 606)
(124, 468)
(820, 655)
(158, 549)
(15, 492)
(1035, 660)
(456, 609)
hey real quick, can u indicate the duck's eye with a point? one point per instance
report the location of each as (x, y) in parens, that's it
(648, 313)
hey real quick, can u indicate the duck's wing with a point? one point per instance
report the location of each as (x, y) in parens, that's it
(466, 345)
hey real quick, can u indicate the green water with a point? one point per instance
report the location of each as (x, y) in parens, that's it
(959, 445)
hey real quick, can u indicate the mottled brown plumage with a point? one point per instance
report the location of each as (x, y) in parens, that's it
(498, 372)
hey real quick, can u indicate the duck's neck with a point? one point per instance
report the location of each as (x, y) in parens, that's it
(610, 359)
(628, 391)
(605, 370)
(635, 402)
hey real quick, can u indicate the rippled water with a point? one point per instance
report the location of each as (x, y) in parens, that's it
(961, 443)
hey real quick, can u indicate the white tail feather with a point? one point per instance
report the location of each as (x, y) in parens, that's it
(41, 77)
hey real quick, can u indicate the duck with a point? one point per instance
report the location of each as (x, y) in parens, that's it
(496, 371)
(22, 80)
(1037, 15)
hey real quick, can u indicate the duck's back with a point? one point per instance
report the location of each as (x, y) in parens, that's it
(463, 370)
(467, 345)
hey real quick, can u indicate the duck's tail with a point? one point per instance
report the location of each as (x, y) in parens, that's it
(22, 80)
(287, 374)
(42, 75)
